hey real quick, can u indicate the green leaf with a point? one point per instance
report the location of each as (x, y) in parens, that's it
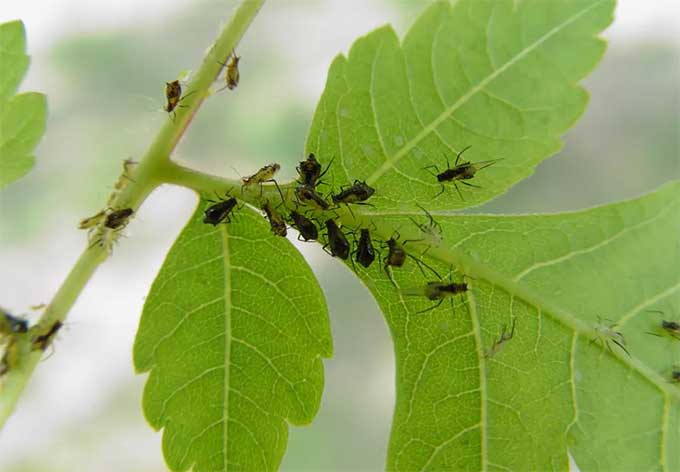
(232, 333)
(23, 116)
(554, 386)
(500, 76)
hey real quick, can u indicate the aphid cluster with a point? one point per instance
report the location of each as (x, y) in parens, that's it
(17, 337)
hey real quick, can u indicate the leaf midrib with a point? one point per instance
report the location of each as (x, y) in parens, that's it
(227, 343)
(390, 162)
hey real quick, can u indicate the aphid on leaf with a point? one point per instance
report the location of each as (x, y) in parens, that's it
(44, 340)
(459, 172)
(396, 257)
(608, 334)
(276, 221)
(219, 211)
(364, 254)
(358, 192)
(498, 344)
(337, 241)
(306, 227)
(668, 327)
(431, 231)
(232, 76)
(305, 193)
(437, 291)
(309, 171)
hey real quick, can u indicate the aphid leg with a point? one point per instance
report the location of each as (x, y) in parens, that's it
(419, 262)
(390, 276)
(470, 185)
(431, 308)
(461, 153)
(458, 190)
(432, 166)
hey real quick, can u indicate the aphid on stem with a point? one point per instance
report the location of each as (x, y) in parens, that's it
(232, 76)
(44, 340)
(173, 95)
(466, 170)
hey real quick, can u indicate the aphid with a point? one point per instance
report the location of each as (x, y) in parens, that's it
(43, 341)
(357, 193)
(364, 253)
(675, 375)
(10, 324)
(438, 291)
(232, 75)
(11, 355)
(219, 212)
(118, 219)
(396, 257)
(337, 241)
(173, 94)
(92, 221)
(309, 171)
(276, 222)
(265, 174)
(305, 193)
(460, 172)
(671, 328)
(498, 344)
(607, 333)
(306, 227)
(431, 231)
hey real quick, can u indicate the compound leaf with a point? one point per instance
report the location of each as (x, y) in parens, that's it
(499, 76)
(232, 333)
(23, 116)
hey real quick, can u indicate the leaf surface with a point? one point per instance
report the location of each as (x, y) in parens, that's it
(499, 76)
(502, 77)
(23, 116)
(232, 334)
(554, 386)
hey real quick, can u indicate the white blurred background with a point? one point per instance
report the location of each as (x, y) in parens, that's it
(103, 65)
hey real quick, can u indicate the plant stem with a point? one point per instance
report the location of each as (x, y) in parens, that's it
(147, 175)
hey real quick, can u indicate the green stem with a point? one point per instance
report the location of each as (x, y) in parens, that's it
(147, 175)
